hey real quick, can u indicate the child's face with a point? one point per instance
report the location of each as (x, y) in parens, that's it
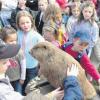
(76, 12)
(87, 13)
(80, 46)
(11, 38)
(4, 63)
(58, 18)
(67, 10)
(25, 23)
(42, 4)
(49, 36)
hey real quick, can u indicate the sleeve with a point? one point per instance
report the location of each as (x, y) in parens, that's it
(89, 67)
(13, 19)
(95, 33)
(72, 31)
(68, 25)
(23, 69)
(72, 89)
(36, 96)
(22, 61)
(50, 96)
(96, 50)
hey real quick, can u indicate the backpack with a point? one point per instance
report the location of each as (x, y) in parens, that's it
(80, 54)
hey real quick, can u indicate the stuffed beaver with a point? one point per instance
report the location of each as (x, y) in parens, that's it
(54, 63)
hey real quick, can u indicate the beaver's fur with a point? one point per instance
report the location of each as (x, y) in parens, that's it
(54, 63)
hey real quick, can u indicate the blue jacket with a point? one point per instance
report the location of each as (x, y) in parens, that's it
(72, 89)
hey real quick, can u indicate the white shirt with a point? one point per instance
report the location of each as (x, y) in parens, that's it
(7, 92)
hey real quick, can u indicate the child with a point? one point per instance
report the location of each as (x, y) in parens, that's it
(17, 71)
(86, 23)
(7, 92)
(50, 34)
(27, 38)
(75, 10)
(66, 13)
(42, 5)
(77, 50)
(20, 6)
(53, 18)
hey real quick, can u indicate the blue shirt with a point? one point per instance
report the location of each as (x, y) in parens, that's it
(31, 39)
(86, 26)
(72, 89)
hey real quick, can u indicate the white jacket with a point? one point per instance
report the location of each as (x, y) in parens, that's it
(7, 92)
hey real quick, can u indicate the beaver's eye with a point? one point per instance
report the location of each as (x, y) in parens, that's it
(45, 47)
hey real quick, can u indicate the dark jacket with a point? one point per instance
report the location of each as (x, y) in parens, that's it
(72, 89)
(39, 24)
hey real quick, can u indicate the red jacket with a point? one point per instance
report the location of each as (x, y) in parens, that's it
(85, 63)
(95, 2)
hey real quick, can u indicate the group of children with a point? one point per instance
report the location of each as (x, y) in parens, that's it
(78, 41)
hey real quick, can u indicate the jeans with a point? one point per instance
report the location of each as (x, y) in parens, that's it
(17, 86)
(30, 74)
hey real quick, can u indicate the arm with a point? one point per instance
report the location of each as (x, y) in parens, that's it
(89, 67)
(57, 94)
(96, 50)
(95, 33)
(13, 19)
(68, 26)
(23, 66)
(23, 71)
(7, 92)
(72, 89)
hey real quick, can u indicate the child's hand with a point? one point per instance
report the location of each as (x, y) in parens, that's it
(21, 82)
(73, 71)
(58, 93)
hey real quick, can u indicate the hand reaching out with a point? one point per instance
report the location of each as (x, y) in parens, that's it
(58, 93)
(73, 71)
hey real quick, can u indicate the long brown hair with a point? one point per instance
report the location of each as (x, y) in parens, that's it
(51, 11)
(24, 13)
(84, 5)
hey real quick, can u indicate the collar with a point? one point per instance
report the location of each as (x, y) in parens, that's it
(4, 79)
(2, 76)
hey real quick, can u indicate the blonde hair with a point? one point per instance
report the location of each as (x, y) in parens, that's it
(46, 1)
(51, 11)
(50, 28)
(75, 5)
(85, 5)
(24, 13)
